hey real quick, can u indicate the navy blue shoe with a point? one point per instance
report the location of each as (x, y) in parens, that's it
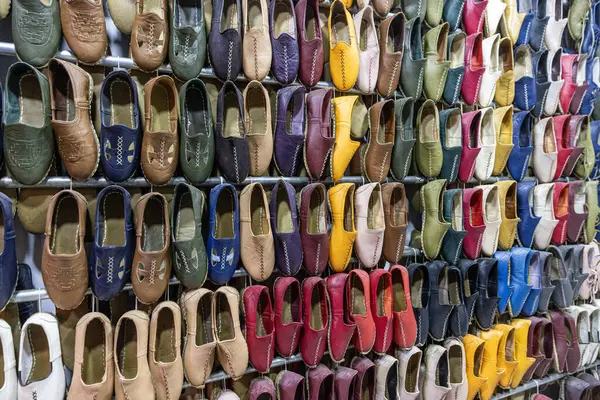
(223, 244)
(525, 32)
(535, 279)
(520, 259)
(1, 126)
(114, 243)
(120, 134)
(562, 295)
(542, 81)
(441, 298)
(453, 239)
(469, 270)
(537, 30)
(25, 282)
(518, 160)
(8, 257)
(487, 302)
(419, 289)
(525, 90)
(505, 289)
(528, 220)
(591, 94)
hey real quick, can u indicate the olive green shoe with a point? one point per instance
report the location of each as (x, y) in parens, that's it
(585, 163)
(189, 254)
(435, 46)
(187, 44)
(197, 144)
(591, 200)
(36, 30)
(434, 226)
(428, 152)
(404, 141)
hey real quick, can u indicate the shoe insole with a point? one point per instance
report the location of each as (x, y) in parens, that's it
(64, 103)
(284, 212)
(255, 15)
(259, 218)
(165, 337)
(349, 210)
(113, 217)
(204, 329)
(568, 333)
(316, 218)
(39, 349)
(225, 326)
(492, 212)
(444, 286)
(316, 316)
(454, 130)
(152, 6)
(340, 30)
(442, 44)
(127, 343)
(364, 34)
(455, 359)
(283, 21)
(398, 290)
(65, 234)
(186, 13)
(357, 294)
(256, 109)
(291, 299)
(225, 216)
(457, 212)
(429, 128)
(186, 223)
(232, 127)
(196, 118)
(441, 376)
(417, 289)
(562, 206)
(457, 53)
(94, 363)
(121, 104)
(412, 372)
(310, 24)
(509, 349)
(505, 133)
(229, 18)
(454, 287)
(375, 212)
(153, 234)
(477, 360)
(160, 109)
(477, 55)
(384, 300)
(30, 101)
(579, 203)
(548, 341)
(470, 282)
(506, 55)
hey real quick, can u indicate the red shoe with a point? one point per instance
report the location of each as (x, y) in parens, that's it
(320, 382)
(316, 321)
(473, 222)
(575, 86)
(287, 296)
(365, 382)
(260, 332)
(560, 200)
(474, 69)
(561, 130)
(405, 324)
(342, 327)
(381, 308)
(473, 16)
(359, 302)
(576, 123)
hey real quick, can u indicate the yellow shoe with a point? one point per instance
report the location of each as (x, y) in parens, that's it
(345, 146)
(514, 19)
(503, 125)
(343, 47)
(474, 359)
(343, 232)
(489, 367)
(506, 354)
(521, 334)
(505, 87)
(507, 193)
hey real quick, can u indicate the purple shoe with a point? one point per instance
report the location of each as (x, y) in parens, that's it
(284, 222)
(284, 40)
(289, 145)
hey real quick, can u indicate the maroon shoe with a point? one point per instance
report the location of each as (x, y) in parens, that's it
(381, 308)
(566, 356)
(359, 302)
(535, 339)
(316, 320)
(547, 349)
(364, 388)
(578, 211)
(313, 228)
(287, 295)
(575, 129)
(405, 325)
(345, 382)
(290, 386)
(561, 130)
(260, 327)
(320, 382)
(262, 389)
(341, 327)
(310, 44)
(474, 68)
(560, 201)
(573, 352)
(473, 221)
(471, 126)
(319, 137)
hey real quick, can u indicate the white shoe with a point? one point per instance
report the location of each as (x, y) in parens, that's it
(386, 377)
(369, 57)
(8, 363)
(543, 207)
(582, 324)
(457, 365)
(545, 155)
(491, 218)
(554, 68)
(40, 359)
(556, 25)
(493, 70)
(409, 365)
(484, 162)
(594, 346)
(493, 14)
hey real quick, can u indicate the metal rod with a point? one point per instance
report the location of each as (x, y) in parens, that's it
(277, 362)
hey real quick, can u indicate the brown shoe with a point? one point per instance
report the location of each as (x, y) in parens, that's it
(93, 375)
(151, 269)
(165, 362)
(71, 92)
(133, 380)
(391, 45)
(232, 350)
(84, 28)
(259, 130)
(150, 34)
(160, 145)
(256, 238)
(382, 125)
(199, 345)
(64, 262)
(395, 212)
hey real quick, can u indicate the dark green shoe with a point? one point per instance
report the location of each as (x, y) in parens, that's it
(404, 140)
(36, 30)
(187, 45)
(197, 144)
(452, 242)
(189, 254)
(451, 138)
(28, 136)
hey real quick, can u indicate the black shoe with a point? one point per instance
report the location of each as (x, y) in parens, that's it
(25, 282)
(444, 294)
(460, 318)
(419, 294)
(487, 302)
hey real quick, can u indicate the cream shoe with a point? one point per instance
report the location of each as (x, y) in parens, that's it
(484, 163)
(543, 207)
(554, 68)
(436, 380)
(368, 50)
(493, 70)
(8, 364)
(545, 155)
(491, 218)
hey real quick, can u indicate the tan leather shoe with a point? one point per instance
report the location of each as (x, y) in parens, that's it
(232, 350)
(83, 25)
(64, 262)
(165, 362)
(71, 92)
(391, 46)
(151, 268)
(259, 130)
(256, 46)
(150, 34)
(378, 154)
(93, 374)
(133, 380)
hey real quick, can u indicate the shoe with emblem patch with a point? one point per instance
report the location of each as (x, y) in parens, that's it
(36, 30)
(232, 350)
(223, 244)
(84, 29)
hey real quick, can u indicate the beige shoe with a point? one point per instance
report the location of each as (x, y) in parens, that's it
(164, 359)
(93, 375)
(199, 345)
(259, 130)
(457, 365)
(386, 371)
(232, 350)
(4, 8)
(133, 380)
(436, 382)
(122, 13)
(256, 50)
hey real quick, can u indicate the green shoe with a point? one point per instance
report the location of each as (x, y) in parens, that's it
(428, 152)
(435, 45)
(591, 200)
(434, 226)
(187, 45)
(189, 254)
(585, 163)
(197, 144)
(28, 136)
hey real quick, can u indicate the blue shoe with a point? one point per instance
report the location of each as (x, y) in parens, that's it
(520, 259)
(8, 257)
(505, 289)
(469, 270)
(545, 263)
(528, 220)
(114, 243)
(452, 243)
(1, 126)
(223, 244)
(591, 94)
(25, 282)
(542, 81)
(535, 279)
(525, 90)
(452, 13)
(518, 160)
(451, 138)
(537, 30)
(456, 47)
(120, 134)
